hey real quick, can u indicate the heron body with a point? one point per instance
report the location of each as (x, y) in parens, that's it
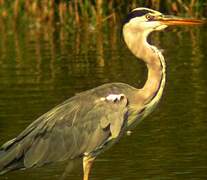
(92, 121)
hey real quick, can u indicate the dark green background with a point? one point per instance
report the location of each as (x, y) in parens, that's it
(41, 67)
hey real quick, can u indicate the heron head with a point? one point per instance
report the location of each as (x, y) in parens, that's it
(144, 19)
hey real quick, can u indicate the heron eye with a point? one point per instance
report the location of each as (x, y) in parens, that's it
(149, 17)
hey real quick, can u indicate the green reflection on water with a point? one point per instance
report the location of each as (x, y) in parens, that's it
(39, 68)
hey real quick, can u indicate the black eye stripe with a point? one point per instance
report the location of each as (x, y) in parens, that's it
(136, 13)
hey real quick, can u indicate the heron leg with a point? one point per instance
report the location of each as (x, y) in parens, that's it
(87, 163)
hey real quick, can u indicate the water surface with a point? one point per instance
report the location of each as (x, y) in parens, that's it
(41, 67)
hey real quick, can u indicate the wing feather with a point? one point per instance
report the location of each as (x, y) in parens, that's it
(81, 124)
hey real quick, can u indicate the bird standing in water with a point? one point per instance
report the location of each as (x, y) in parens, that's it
(92, 121)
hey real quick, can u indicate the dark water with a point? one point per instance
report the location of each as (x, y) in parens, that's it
(41, 67)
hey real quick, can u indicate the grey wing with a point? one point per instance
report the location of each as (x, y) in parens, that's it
(67, 131)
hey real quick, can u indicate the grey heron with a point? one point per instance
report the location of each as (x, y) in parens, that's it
(90, 122)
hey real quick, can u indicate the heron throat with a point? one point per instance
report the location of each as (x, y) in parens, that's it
(152, 91)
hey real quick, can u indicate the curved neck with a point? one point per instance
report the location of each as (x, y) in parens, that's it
(137, 43)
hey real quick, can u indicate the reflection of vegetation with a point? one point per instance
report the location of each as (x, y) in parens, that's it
(65, 11)
(54, 41)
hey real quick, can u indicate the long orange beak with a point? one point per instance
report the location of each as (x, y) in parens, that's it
(172, 20)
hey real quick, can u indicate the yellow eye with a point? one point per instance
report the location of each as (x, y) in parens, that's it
(149, 17)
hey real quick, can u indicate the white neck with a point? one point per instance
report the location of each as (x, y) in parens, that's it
(137, 43)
